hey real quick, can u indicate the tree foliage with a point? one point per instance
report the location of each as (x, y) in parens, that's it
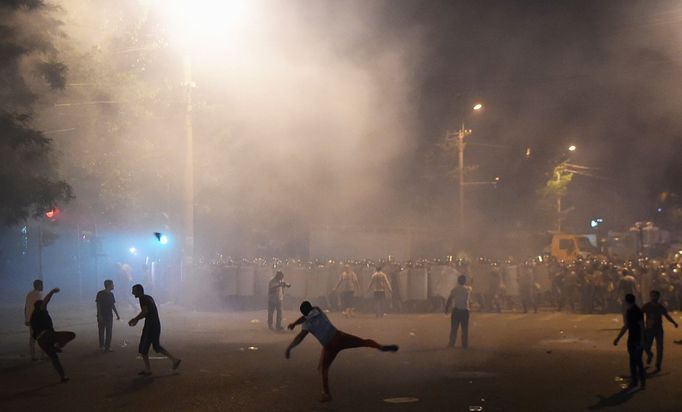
(29, 66)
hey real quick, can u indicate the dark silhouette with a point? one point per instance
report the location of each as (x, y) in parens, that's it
(276, 298)
(151, 332)
(106, 304)
(655, 312)
(50, 341)
(333, 341)
(459, 302)
(31, 298)
(634, 325)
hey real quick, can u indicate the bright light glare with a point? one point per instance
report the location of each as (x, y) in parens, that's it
(196, 23)
(163, 239)
(133, 250)
(478, 106)
(571, 148)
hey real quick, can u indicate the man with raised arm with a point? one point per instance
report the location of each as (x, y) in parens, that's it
(151, 332)
(332, 340)
(50, 341)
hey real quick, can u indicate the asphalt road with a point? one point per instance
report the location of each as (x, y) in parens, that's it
(517, 362)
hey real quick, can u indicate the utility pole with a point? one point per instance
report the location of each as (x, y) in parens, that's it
(558, 203)
(188, 244)
(461, 134)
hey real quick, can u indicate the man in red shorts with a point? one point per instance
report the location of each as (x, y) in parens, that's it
(333, 341)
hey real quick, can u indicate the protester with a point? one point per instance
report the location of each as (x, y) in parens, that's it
(276, 299)
(50, 341)
(634, 326)
(653, 327)
(151, 332)
(31, 298)
(459, 302)
(332, 340)
(347, 285)
(106, 307)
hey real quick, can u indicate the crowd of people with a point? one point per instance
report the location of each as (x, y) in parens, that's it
(587, 285)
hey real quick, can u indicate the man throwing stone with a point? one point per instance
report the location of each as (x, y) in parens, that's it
(151, 333)
(333, 341)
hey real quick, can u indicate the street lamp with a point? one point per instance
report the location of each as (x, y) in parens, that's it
(193, 25)
(571, 148)
(461, 134)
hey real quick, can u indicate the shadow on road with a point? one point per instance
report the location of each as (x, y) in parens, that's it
(614, 400)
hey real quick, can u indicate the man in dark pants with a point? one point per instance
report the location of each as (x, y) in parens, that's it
(634, 325)
(50, 341)
(459, 302)
(653, 329)
(276, 299)
(333, 341)
(106, 304)
(151, 333)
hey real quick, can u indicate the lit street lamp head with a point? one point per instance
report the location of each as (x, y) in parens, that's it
(478, 106)
(571, 148)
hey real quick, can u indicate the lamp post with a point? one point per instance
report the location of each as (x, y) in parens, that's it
(188, 221)
(461, 145)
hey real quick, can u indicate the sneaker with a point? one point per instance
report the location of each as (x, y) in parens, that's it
(389, 348)
(144, 373)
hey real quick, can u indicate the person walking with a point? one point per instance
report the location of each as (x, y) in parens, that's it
(332, 340)
(653, 327)
(276, 299)
(49, 340)
(347, 285)
(459, 317)
(106, 307)
(381, 288)
(31, 298)
(634, 326)
(151, 332)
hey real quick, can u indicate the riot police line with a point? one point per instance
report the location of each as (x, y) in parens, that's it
(585, 285)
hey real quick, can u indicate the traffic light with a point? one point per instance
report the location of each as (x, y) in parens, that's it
(52, 214)
(161, 238)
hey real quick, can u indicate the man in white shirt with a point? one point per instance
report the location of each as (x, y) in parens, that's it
(459, 302)
(348, 284)
(381, 288)
(333, 341)
(276, 299)
(31, 298)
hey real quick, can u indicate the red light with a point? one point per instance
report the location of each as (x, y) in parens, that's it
(51, 214)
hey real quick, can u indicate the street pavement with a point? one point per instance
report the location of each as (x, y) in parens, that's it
(231, 362)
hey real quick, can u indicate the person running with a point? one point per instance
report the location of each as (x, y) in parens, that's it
(634, 325)
(50, 341)
(151, 332)
(459, 302)
(653, 327)
(31, 298)
(348, 284)
(332, 340)
(106, 304)
(380, 287)
(276, 299)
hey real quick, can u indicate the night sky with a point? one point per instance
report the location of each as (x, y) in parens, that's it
(603, 75)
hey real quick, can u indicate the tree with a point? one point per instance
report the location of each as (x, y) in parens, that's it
(556, 189)
(27, 165)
